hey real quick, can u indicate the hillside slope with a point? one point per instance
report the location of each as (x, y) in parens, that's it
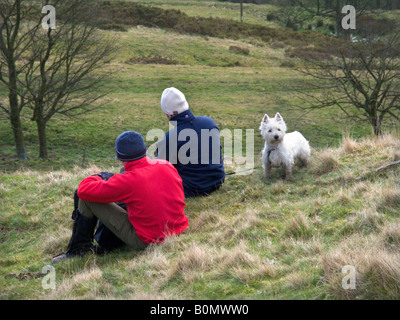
(250, 240)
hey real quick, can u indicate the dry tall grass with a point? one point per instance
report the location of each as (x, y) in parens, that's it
(377, 269)
(372, 245)
(292, 238)
(325, 161)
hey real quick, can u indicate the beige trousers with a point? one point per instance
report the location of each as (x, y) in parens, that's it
(114, 218)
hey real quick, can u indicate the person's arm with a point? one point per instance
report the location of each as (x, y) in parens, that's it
(95, 189)
(162, 148)
(167, 148)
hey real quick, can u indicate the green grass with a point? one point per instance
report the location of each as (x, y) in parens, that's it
(236, 97)
(254, 14)
(252, 239)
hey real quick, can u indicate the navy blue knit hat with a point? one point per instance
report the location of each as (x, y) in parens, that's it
(130, 146)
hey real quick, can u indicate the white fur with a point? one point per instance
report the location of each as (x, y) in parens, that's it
(282, 149)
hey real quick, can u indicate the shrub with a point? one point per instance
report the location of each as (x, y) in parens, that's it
(240, 50)
(151, 60)
(287, 64)
(116, 14)
(307, 53)
(271, 17)
(369, 26)
(113, 26)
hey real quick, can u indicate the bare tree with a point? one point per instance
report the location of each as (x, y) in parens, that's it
(63, 76)
(58, 70)
(14, 41)
(363, 80)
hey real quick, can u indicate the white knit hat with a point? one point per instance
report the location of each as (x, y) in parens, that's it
(173, 100)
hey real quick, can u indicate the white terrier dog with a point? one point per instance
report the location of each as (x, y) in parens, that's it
(281, 148)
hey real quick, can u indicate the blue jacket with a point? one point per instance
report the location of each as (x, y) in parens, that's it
(194, 148)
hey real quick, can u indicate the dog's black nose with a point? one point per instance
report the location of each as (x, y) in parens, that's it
(276, 137)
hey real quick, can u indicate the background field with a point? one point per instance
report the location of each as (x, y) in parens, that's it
(252, 239)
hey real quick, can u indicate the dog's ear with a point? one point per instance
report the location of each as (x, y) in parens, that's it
(266, 118)
(278, 117)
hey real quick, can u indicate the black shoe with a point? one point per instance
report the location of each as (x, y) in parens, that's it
(66, 255)
(82, 237)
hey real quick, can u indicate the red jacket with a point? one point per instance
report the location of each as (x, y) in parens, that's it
(153, 193)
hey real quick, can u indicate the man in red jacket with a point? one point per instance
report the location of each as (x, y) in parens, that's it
(151, 189)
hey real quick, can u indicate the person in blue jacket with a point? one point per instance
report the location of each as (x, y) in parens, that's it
(193, 146)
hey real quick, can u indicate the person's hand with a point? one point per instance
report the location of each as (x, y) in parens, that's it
(105, 175)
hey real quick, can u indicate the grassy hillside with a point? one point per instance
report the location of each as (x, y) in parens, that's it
(235, 88)
(253, 14)
(252, 239)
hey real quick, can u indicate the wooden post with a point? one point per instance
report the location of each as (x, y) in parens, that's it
(241, 10)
